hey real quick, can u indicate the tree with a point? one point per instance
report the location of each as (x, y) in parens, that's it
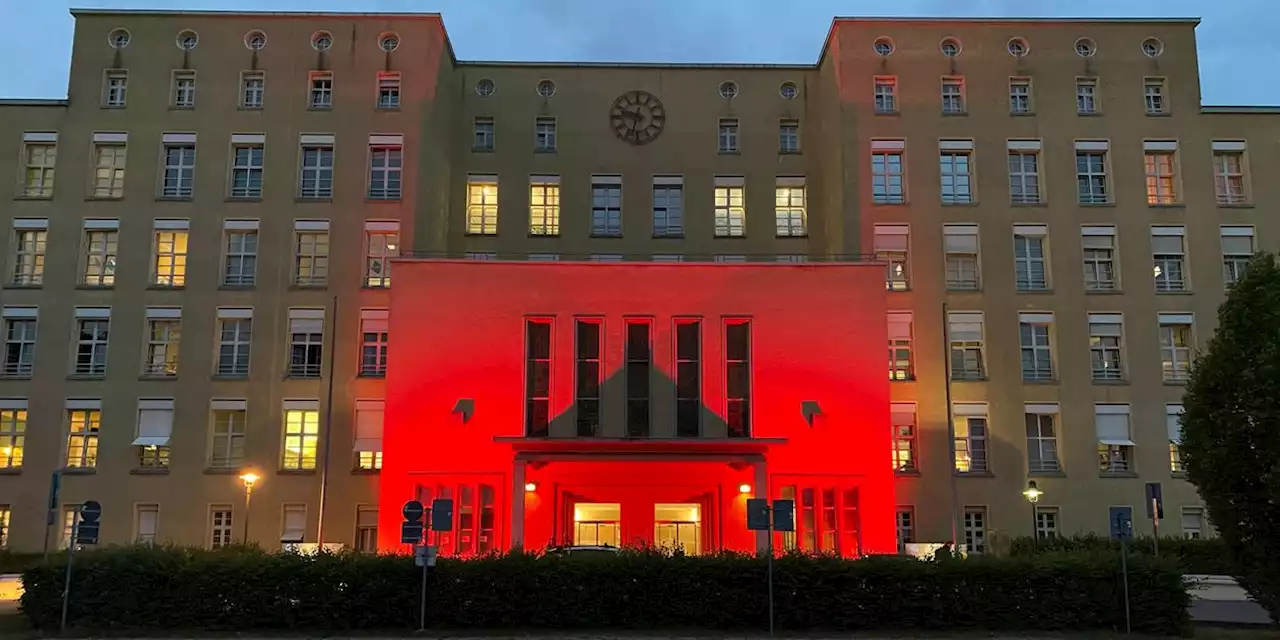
(1231, 429)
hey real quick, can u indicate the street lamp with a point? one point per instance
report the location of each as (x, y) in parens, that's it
(249, 479)
(1032, 493)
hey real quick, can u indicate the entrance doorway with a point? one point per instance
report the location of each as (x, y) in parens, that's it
(678, 527)
(597, 523)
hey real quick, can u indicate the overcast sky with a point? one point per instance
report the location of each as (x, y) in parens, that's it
(1239, 39)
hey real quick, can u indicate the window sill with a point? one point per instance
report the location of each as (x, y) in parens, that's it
(1095, 204)
(608, 236)
(156, 377)
(228, 378)
(1022, 114)
(370, 287)
(1167, 205)
(295, 472)
(320, 109)
(92, 287)
(470, 234)
(912, 473)
(221, 471)
(668, 236)
(308, 287)
(481, 149)
(1052, 381)
(174, 107)
(315, 377)
(1159, 114)
(541, 235)
(887, 113)
(365, 472)
(372, 376)
(1089, 114)
(16, 376)
(102, 198)
(1039, 203)
(1175, 292)
(242, 199)
(1235, 205)
(1046, 474)
(143, 471)
(113, 106)
(236, 287)
(24, 286)
(1178, 475)
(387, 109)
(977, 379)
(1174, 383)
(903, 203)
(248, 108)
(728, 152)
(544, 151)
(794, 236)
(1117, 474)
(175, 198)
(11, 471)
(300, 199)
(1103, 292)
(974, 474)
(955, 114)
(86, 376)
(26, 197)
(368, 200)
(78, 471)
(901, 380)
(1109, 383)
(1045, 291)
(964, 289)
(797, 152)
(166, 287)
(971, 203)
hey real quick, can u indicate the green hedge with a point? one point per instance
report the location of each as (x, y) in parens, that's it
(176, 589)
(1205, 556)
(11, 562)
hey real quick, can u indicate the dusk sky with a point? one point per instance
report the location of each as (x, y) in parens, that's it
(1238, 38)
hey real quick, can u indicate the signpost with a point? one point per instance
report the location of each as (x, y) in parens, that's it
(1155, 511)
(761, 516)
(84, 530)
(414, 531)
(1123, 528)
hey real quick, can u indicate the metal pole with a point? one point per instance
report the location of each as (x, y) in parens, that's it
(1155, 526)
(951, 428)
(66, 580)
(325, 444)
(426, 560)
(769, 563)
(52, 512)
(248, 498)
(1124, 575)
(1035, 526)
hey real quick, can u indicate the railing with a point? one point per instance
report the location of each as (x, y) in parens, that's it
(762, 258)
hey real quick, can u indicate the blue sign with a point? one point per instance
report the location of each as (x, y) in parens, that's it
(1121, 522)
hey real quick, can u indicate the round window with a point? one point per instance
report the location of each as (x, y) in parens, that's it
(1085, 48)
(485, 88)
(322, 41)
(728, 90)
(789, 90)
(883, 46)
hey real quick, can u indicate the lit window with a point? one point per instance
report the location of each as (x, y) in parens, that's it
(39, 159)
(1030, 272)
(728, 135)
(83, 426)
(789, 208)
(301, 434)
(482, 205)
(373, 342)
(1020, 95)
(1086, 96)
(1175, 346)
(1115, 440)
(965, 336)
(1168, 252)
(253, 89)
(235, 333)
(826, 520)
(155, 427)
(306, 342)
(544, 135)
(1106, 346)
(1153, 90)
(315, 180)
(544, 206)
(20, 332)
(170, 253)
(115, 87)
(886, 94)
(892, 243)
(606, 206)
(13, 435)
(229, 422)
(30, 237)
(179, 172)
(1024, 172)
(483, 136)
(789, 136)
(164, 331)
(905, 455)
(1161, 163)
(975, 529)
(888, 185)
(382, 243)
(1037, 352)
(321, 94)
(1099, 254)
(1042, 438)
(956, 171)
(246, 170)
(1228, 172)
(730, 208)
(960, 242)
(901, 360)
(1237, 250)
(668, 207)
(219, 526)
(953, 96)
(1173, 423)
(311, 253)
(108, 174)
(389, 90)
(5, 512)
(184, 89)
(93, 328)
(971, 438)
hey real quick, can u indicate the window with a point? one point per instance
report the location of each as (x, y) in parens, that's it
(730, 207)
(20, 333)
(253, 89)
(960, 242)
(1153, 93)
(306, 342)
(971, 438)
(826, 520)
(728, 135)
(184, 89)
(953, 96)
(293, 523)
(473, 531)
(70, 517)
(1168, 251)
(1106, 346)
(888, 185)
(482, 205)
(789, 136)
(388, 89)
(219, 526)
(321, 94)
(155, 427)
(901, 360)
(315, 180)
(904, 521)
(108, 166)
(310, 253)
(92, 332)
(1115, 441)
(1099, 254)
(366, 529)
(668, 207)
(544, 135)
(374, 327)
(956, 171)
(1160, 160)
(975, 529)
(544, 205)
(1024, 171)
(301, 434)
(1237, 249)
(965, 335)
(179, 171)
(4, 526)
(1030, 272)
(1020, 95)
(1046, 523)
(688, 378)
(170, 253)
(789, 208)
(482, 138)
(537, 390)
(1175, 346)
(235, 333)
(886, 94)
(164, 331)
(146, 523)
(13, 436)
(1091, 173)
(246, 167)
(30, 236)
(83, 425)
(240, 261)
(639, 364)
(587, 374)
(1173, 423)
(1042, 438)
(737, 362)
(381, 244)
(1037, 353)
(1192, 523)
(606, 206)
(905, 453)
(386, 166)
(39, 154)
(229, 420)
(1228, 172)
(1086, 96)
(891, 246)
(101, 239)
(115, 88)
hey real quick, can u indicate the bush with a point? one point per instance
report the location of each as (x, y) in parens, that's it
(11, 562)
(1206, 556)
(175, 589)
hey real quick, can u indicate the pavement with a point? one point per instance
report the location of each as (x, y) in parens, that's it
(1219, 600)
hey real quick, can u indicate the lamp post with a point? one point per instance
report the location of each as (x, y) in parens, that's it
(1032, 493)
(249, 479)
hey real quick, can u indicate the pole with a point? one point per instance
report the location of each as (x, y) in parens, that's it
(248, 500)
(325, 444)
(66, 580)
(422, 596)
(52, 513)
(1155, 526)
(951, 428)
(1035, 526)
(769, 563)
(1124, 575)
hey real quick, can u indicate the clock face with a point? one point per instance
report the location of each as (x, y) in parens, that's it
(637, 117)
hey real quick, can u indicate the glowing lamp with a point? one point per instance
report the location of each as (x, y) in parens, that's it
(530, 487)
(744, 488)
(1032, 493)
(249, 479)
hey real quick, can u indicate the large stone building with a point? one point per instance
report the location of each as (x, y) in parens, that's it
(197, 278)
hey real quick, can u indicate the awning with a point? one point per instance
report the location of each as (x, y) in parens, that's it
(1116, 442)
(151, 441)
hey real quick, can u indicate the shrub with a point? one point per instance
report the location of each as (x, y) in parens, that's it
(11, 562)
(1206, 556)
(117, 590)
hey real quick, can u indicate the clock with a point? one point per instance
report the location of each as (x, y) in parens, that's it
(637, 117)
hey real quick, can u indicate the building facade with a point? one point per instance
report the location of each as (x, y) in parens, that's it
(201, 239)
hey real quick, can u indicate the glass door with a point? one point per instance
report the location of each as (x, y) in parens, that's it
(597, 523)
(678, 526)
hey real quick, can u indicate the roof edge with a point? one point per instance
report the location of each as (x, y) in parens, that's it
(1068, 20)
(33, 102)
(1240, 109)
(96, 11)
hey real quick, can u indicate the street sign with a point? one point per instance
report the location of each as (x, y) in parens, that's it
(90, 511)
(1155, 501)
(55, 490)
(412, 510)
(87, 528)
(784, 515)
(757, 514)
(1121, 523)
(442, 514)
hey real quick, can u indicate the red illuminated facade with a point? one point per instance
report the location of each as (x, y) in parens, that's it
(638, 403)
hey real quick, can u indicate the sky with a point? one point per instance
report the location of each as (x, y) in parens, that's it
(1238, 39)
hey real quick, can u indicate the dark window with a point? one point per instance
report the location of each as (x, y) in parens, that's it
(688, 378)
(588, 377)
(473, 518)
(737, 362)
(537, 394)
(638, 365)
(826, 520)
